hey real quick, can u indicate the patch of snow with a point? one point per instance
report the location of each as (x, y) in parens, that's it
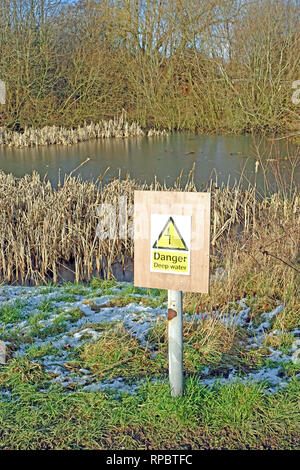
(118, 385)
(138, 320)
(87, 331)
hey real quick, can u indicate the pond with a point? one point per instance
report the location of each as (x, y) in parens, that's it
(224, 156)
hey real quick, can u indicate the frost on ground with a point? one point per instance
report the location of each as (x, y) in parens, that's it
(47, 324)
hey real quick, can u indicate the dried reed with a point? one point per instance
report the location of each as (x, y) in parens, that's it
(45, 231)
(49, 135)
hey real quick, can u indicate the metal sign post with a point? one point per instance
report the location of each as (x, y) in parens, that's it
(175, 338)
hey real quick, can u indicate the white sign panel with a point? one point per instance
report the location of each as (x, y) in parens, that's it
(170, 244)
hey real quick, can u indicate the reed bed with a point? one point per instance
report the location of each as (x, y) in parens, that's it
(49, 135)
(46, 233)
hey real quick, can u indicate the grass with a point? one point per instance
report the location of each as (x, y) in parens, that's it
(65, 297)
(36, 352)
(45, 306)
(207, 343)
(75, 289)
(124, 299)
(11, 313)
(37, 413)
(117, 354)
(103, 286)
(59, 326)
(231, 417)
(74, 314)
(282, 342)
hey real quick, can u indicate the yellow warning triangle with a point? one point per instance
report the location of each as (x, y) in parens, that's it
(170, 238)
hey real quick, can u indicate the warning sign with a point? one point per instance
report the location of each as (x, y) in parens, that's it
(172, 251)
(170, 243)
(170, 238)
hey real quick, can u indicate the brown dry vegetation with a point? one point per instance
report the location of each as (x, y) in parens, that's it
(49, 135)
(213, 65)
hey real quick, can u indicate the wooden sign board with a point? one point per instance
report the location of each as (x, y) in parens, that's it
(171, 240)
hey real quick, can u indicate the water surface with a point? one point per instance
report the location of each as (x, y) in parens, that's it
(224, 156)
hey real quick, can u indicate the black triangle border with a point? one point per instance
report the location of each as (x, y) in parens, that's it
(170, 219)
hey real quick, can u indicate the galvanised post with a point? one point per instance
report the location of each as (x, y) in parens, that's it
(175, 338)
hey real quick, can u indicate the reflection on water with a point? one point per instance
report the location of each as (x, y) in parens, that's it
(143, 158)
